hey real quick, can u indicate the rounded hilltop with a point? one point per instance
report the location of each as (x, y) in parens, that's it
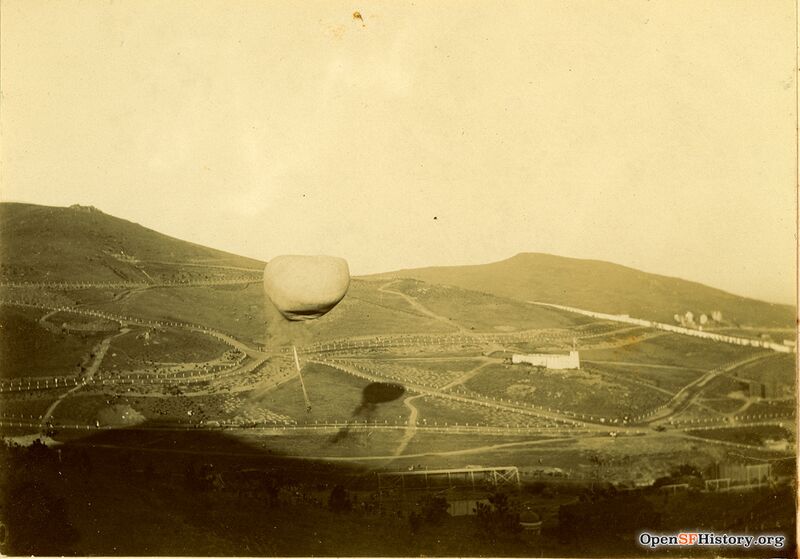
(89, 209)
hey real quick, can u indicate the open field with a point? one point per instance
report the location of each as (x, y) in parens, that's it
(372, 311)
(482, 312)
(576, 391)
(163, 345)
(431, 443)
(341, 443)
(27, 406)
(455, 351)
(783, 406)
(774, 333)
(727, 405)
(674, 350)
(634, 458)
(726, 386)
(747, 435)
(237, 310)
(668, 378)
(78, 323)
(435, 411)
(27, 349)
(170, 272)
(429, 372)
(333, 396)
(779, 369)
(371, 292)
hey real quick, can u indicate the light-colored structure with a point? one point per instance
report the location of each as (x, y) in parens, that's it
(464, 507)
(550, 360)
(494, 476)
(674, 328)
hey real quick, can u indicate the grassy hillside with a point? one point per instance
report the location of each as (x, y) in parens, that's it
(29, 350)
(601, 286)
(42, 243)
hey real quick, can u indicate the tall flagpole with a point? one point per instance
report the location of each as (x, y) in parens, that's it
(302, 384)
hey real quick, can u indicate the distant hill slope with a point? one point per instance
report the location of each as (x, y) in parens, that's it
(601, 286)
(43, 243)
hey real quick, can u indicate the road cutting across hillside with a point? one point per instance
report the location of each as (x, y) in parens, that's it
(251, 374)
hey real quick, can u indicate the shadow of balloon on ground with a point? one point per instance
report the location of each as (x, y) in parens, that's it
(372, 396)
(381, 392)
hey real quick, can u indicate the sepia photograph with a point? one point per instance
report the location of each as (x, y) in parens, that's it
(398, 278)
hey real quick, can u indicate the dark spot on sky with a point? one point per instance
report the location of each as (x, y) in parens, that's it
(435, 218)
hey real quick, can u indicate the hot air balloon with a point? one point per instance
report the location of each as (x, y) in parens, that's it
(306, 287)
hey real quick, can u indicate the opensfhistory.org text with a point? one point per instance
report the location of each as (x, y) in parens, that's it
(711, 539)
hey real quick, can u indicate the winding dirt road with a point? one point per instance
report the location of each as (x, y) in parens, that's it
(411, 429)
(422, 308)
(99, 353)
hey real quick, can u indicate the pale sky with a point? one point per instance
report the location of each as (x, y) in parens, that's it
(659, 135)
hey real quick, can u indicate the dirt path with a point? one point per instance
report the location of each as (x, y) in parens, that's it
(646, 365)
(425, 358)
(619, 343)
(122, 295)
(471, 450)
(201, 265)
(747, 403)
(411, 429)
(370, 458)
(469, 374)
(99, 354)
(44, 318)
(422, 308)
(690, 393)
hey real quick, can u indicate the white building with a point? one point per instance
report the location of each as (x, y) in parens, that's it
(550, 360)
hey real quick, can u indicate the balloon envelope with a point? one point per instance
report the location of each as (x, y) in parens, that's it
(306, 287)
